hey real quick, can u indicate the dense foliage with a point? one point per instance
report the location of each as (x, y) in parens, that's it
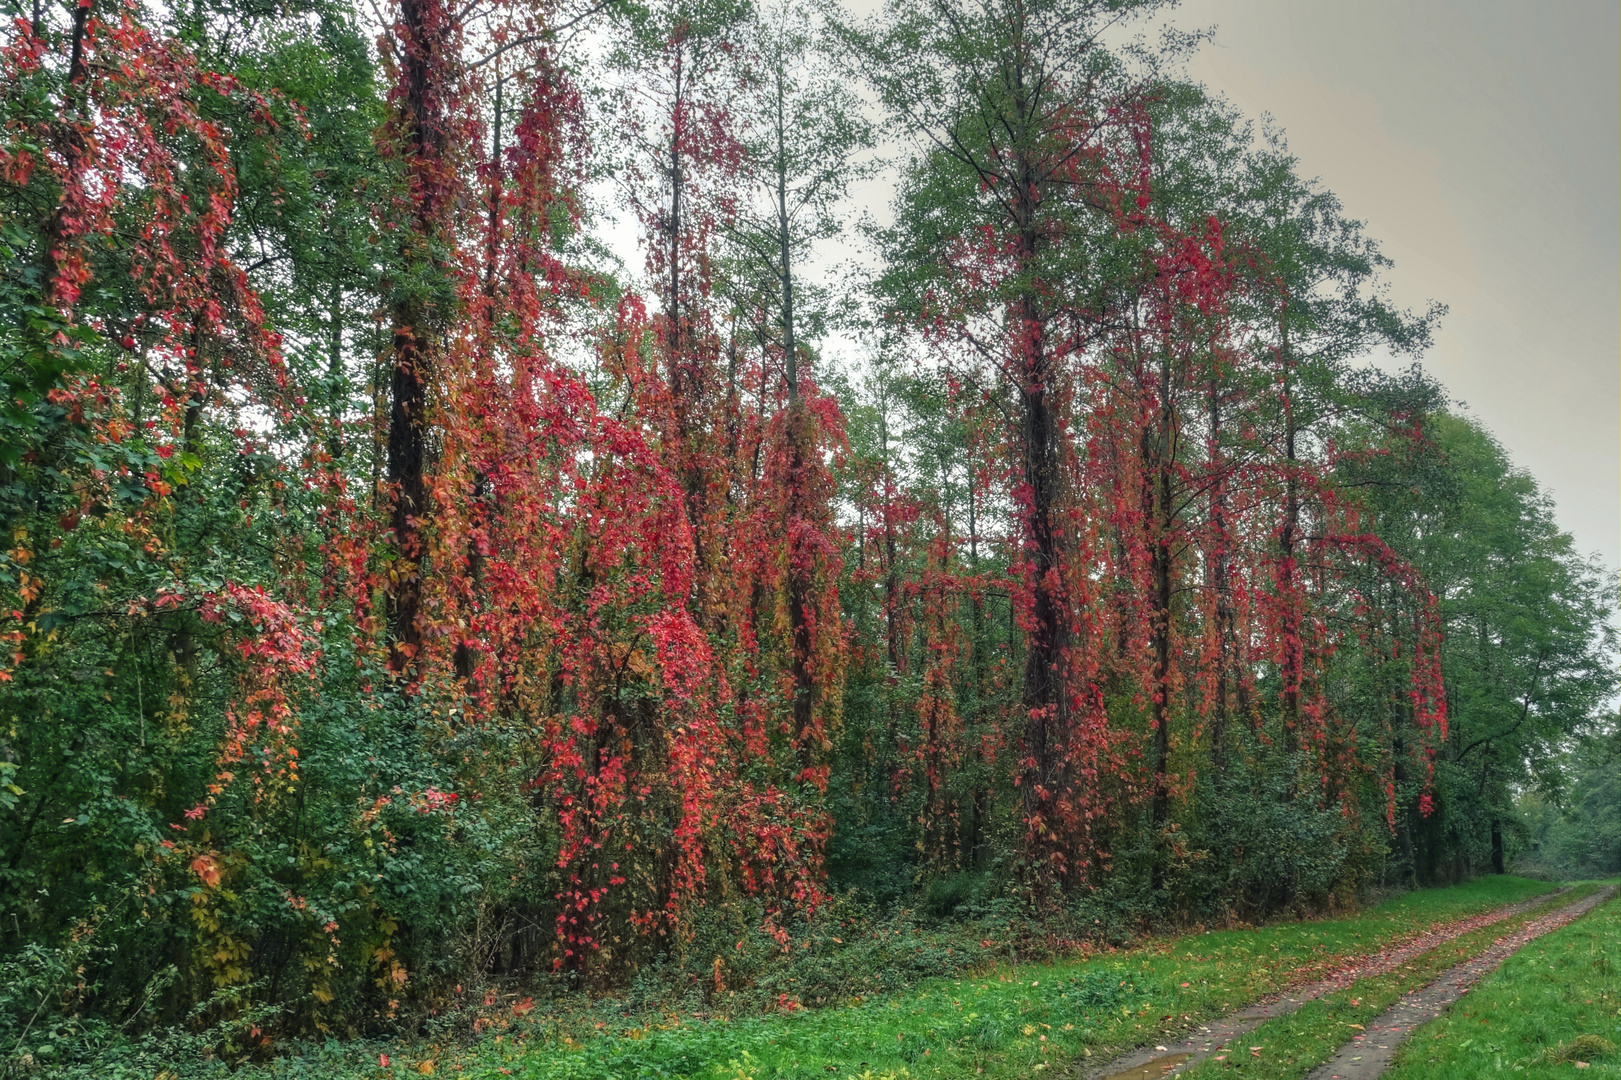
(404, 597)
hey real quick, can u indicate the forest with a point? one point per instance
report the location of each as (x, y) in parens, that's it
(552, 498)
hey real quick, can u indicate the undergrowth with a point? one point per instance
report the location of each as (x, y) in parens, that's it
(902, 996)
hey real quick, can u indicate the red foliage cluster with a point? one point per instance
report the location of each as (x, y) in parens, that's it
(612, 574)
(640, 566)
(1173, 540)
(278, 652)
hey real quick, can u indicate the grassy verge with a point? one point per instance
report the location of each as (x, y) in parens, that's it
(1007, 1021)
(1553, 1004)
(1293, 1045)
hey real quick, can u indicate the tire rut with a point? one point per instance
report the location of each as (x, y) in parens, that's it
(1178, 1054)
(1370, 1054)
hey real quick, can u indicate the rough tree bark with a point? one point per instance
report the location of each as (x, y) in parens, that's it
(424, 38)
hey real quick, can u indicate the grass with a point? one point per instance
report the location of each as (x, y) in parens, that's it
(1553, 1004)
(1293, 1045)
(1007, 1021)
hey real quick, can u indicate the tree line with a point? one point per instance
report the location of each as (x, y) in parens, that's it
(402, 592)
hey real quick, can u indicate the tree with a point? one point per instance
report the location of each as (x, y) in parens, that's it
(678, 65)
(401, 605)
(1529, 655)
(1006, 220)
(804, 130)
(150, 381)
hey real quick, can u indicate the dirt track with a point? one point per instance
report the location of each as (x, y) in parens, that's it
(1173, 1056)
(1371, 1053)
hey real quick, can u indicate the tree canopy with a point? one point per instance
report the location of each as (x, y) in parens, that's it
(403, 592)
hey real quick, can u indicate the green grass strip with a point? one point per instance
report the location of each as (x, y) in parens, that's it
(1291, 1046)
(1553, 1004)
(1011, 1021)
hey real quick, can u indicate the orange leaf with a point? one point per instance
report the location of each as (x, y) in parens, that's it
(206, 868)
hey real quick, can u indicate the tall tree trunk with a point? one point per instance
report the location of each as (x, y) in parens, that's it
(677, 339)
(1045, 690)
(978, 843)
(893, 647)
(334, 373)
(686, 382)
(407, 461)
(1217, 556)
(1288, 541)
(798, 431)
(1163, 455)
(1045, 696)
(425, 26)
(481, 497)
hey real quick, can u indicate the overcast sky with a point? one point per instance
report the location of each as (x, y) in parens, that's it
(1480, 140)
